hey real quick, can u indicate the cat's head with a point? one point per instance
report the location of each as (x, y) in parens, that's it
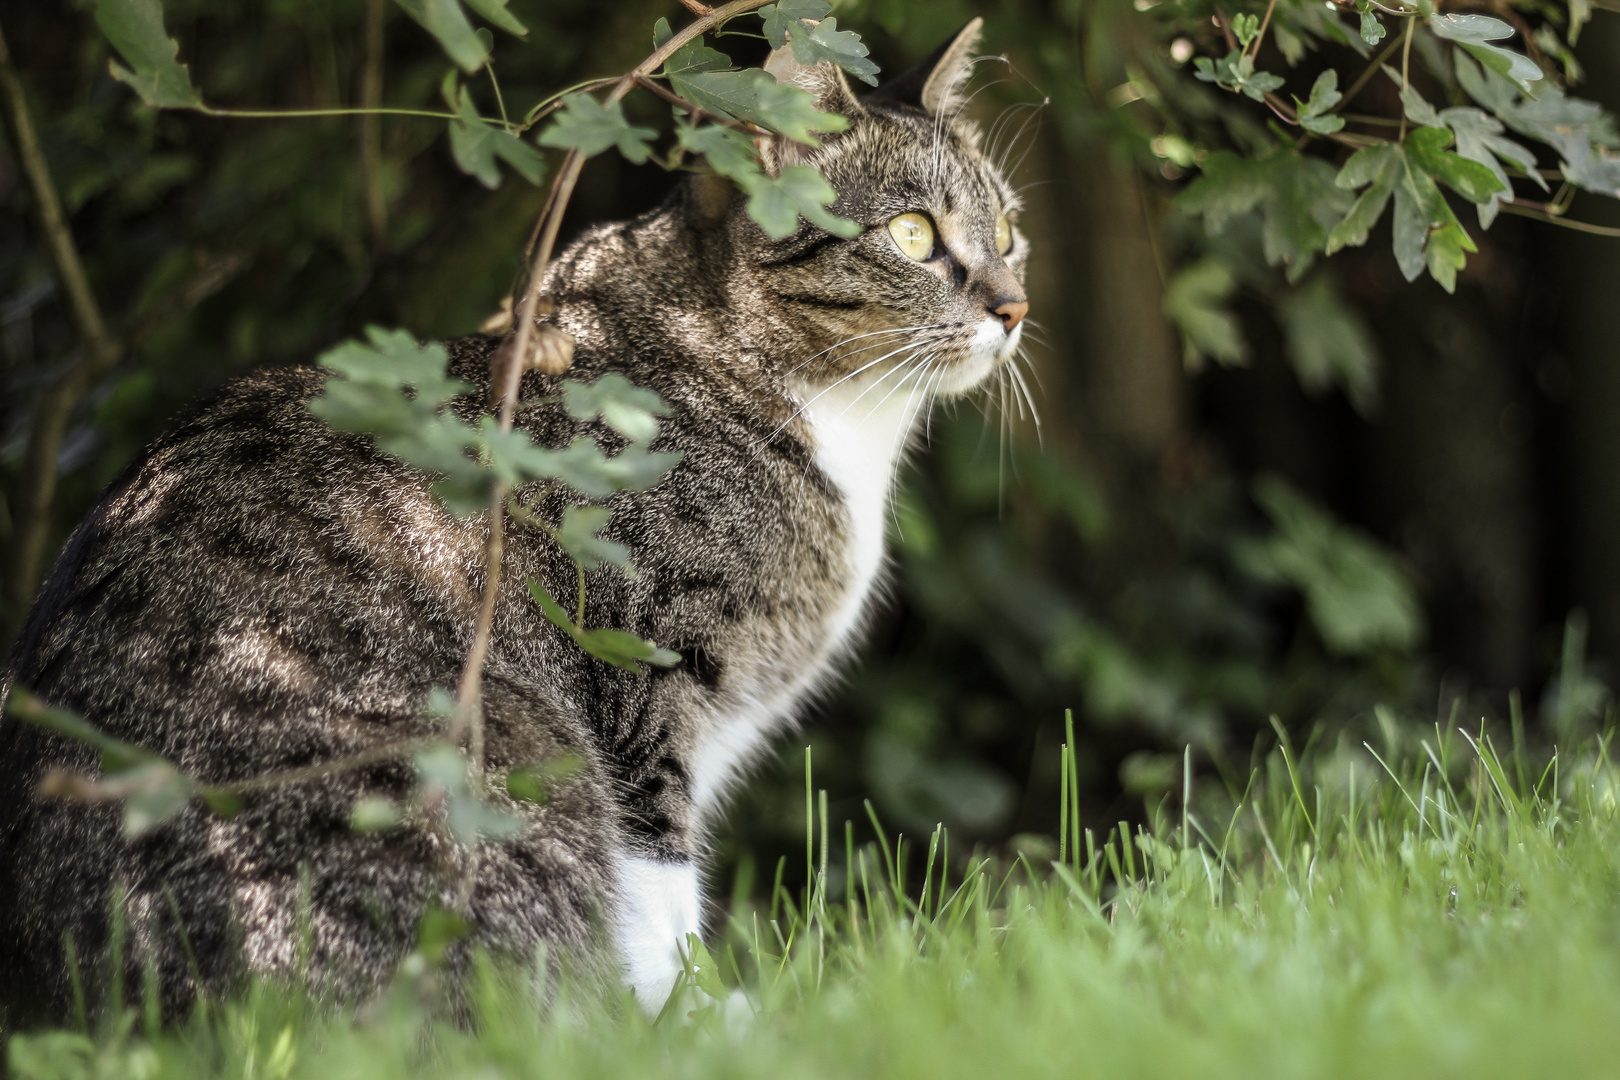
(935, 281)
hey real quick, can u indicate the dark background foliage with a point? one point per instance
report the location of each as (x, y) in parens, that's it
(1128, 559)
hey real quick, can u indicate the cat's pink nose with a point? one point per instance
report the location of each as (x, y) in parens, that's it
(1012, 313)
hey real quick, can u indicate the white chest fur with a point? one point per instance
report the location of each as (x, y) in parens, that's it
(860, 429)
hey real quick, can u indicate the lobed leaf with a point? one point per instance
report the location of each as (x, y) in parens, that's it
(630, 410)
(590, 126)
(824, 42)
(616, 647)
(1376, 167)
(1313, 113)
(1356, 595)
(1474, 33)
(475, 143)
(135, 28)
(778, 202)
(779, 17)
(445, 20)
(1196, 301)
(1426, 149)
(578, 536)
(1328, 342)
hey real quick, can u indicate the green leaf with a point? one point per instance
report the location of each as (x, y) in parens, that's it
(1328, 342)
(1372, 31)
(157, 792)
(630, 410)
(1378, 166)
(577, 535)
(1475, 32)
(116, 754)
(1324, 95)
(1581, 131)
(135, 28)
(1425, 148)
(1196, 300)
(535, 783)
(791, 112)
(616, 647)
(395, 359)
(1235, 72)
(729, 153)
(374, 396)
(824, 42)
(780, 17)
(476, 143)
(495, 12)
(1479, 138)
(589, 126)
(374, 813)
(1295, 195)
(445, 20)
(625, 650)
(1411, 227)
(439, 929)
(732, 94)
(1356, 595)
(702, 969)
(1427, 233)
(550, 607)
(1444, 253)
(776, 203)
(1416, 107)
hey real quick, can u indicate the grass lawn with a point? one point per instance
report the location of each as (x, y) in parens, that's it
(1455, 913)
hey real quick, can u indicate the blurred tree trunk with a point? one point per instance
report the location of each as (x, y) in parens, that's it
(1586, 270)
(1097, 294)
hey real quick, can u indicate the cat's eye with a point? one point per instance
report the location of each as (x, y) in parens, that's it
(913, 235)
(1003, 234)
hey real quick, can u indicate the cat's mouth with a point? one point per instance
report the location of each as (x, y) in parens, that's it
(990, 346)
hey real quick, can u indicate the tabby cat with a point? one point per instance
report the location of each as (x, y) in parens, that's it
(258, 591)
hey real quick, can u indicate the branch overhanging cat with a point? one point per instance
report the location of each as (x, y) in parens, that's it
(258, 591)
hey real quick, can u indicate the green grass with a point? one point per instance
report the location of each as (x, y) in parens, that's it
(1452, 915)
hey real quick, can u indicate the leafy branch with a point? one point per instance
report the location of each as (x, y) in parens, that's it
(397, 390)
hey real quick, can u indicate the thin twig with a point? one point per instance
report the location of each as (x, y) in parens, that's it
(307, 773)
(646, 82)
(371, 88)
(1372, 69)
(1406, 60)
(1254, 49)
(1539, 212)
(99, 349)
(507, 369)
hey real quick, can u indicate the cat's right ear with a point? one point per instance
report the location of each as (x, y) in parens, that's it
(824, 82)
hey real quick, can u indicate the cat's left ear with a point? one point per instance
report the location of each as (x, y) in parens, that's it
(932, 85)
(824, 82)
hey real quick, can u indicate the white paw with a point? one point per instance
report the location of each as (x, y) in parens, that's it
(660, 907)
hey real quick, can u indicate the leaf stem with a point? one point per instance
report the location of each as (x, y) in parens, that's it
(371, 88)
(100, 350)
(1406, 60)
(1539, 212)
(1371, 70)
(295, 114)
(1254, 49)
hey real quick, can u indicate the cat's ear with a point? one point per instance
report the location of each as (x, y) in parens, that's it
(824, 82)
(932, 84)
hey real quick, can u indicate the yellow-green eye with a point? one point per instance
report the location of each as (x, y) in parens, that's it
(913, 235)
(1003, 234)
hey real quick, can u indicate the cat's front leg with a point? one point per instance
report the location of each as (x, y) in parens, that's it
(659, 904)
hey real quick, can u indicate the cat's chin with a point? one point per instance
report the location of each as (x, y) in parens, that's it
(992, 346)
